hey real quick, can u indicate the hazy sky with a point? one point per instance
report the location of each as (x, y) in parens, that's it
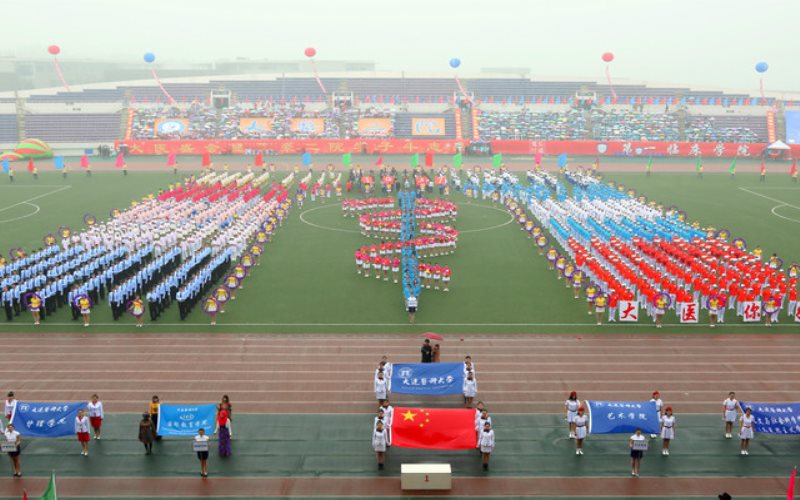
(700, 42)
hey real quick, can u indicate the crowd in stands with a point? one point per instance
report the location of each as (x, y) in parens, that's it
(634, 126)
(708, 129)
(528, 125)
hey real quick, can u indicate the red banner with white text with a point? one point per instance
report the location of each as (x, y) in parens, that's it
(439, 146)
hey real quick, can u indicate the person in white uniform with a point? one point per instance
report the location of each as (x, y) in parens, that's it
(667, 430)
(11, 405)
(380, 440)
(580, 430)
(470, 389)
(96, 415)
(746, 430)
(571, 407)
(486, 444)
(729, 410)
(381, 387)
(656, 398)
(636, 455)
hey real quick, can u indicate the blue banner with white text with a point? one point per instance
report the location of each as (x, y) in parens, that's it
(617, 417)
(428, 379)
(46, 420)
(771, 418)
(185, 420)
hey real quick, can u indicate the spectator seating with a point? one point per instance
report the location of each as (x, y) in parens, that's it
(73, 127)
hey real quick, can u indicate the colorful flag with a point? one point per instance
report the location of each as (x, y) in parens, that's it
(85, 161)
(793, 171)
(537, 158)
(497, 160)
(50, 492)
(171, 160)
(379, 162)
(763, 167)
(790, 490)
(429, 159)
(206, 161)
(58, 162)
(259, 159)
(347, 160)
(120, 160)
(458, 160)
(649, 164)
(31, 166)
(5, 166)
(434, 429)
(698, 165)
(732, 170)
(415, 160)
(596, 164)
(306, 159)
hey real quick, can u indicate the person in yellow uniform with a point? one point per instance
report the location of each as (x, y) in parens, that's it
(600, 307)
(35, 304)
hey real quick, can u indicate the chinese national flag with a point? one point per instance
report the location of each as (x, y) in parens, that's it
(434, 429)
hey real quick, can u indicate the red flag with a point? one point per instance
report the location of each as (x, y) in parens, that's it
(380, 160)
(206, 159)
(30, 165)
(763, 167)
(790, 491)
(120, 160)
(434, 429)
(429, 159)
(85, 161)
(24, 495)
(171, 160)
(259, 159)
(537, 158)
(793, 172)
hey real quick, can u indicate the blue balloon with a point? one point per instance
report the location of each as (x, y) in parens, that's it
(149, 57)
(762, 67)
(455, 62)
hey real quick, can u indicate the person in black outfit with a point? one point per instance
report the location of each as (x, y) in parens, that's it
(427, 352)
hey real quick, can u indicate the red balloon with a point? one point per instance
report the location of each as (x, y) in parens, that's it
(608, 56)
(310, 52)
(54, 50)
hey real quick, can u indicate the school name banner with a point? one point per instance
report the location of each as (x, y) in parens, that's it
(428, 379)
(185, 420)
(617, 417)
(293, 146)
(770, 418)
(46, 420)
(631, 148)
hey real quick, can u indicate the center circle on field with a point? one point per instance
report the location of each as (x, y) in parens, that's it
(305, 220)
(36, 210)
(785, 217)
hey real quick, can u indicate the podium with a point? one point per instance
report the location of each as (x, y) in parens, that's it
(426, 477)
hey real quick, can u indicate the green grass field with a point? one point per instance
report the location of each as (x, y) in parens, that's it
(307, 282)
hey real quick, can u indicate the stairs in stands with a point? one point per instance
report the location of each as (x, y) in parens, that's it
(20, 108)
(466, 125)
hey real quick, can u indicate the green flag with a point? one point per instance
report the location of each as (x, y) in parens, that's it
(415, 160)
(649, 164)
(699, 164)
(347, 159)
(458, 160)
(497, 160)
(50, 492)
(732, 170)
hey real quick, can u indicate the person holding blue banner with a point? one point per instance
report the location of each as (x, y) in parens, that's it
(12, 436)
(470, 389)
(82, 431)
(636, 455)
(746, 430)
(667, 430)
(571, 405)
(729, 411)
(381, 387)
(580, 430)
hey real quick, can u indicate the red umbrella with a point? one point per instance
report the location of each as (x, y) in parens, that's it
(432, 336)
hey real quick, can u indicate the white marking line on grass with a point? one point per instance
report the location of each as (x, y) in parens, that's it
(781, 204)
(36, 210)
(338, 230)
(38, 197)
(590, 325)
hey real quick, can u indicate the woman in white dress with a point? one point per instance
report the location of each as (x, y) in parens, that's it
(667, 430)
(656, 398)
(381, 388)
(486, 443)
(729, 407)
(470, 389)
(580, 430)
(571, 407)
(380, 440)
(746, 430)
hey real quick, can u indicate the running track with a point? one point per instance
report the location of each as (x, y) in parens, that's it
(289, 373)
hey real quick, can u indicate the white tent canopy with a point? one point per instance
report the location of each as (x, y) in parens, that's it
(779, 145)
